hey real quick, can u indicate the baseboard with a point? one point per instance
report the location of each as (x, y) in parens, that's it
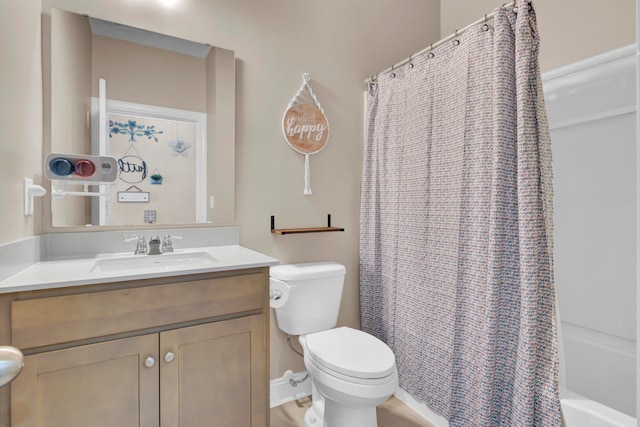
(421, 409)
(281, 391)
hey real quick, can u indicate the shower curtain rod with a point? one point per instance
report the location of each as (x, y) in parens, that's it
(432, 46)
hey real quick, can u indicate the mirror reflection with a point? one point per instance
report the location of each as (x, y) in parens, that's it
(155, 103)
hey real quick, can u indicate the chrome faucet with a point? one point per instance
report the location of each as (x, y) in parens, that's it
(141, 246)
(167, 245)
(154, 246)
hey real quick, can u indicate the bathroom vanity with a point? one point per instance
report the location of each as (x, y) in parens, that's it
(185, 348)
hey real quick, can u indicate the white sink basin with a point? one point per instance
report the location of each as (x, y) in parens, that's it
(154, 263)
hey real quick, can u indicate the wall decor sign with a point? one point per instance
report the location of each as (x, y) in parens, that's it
(155, 178)
(133, 169)
(305, 126)
(133, 195)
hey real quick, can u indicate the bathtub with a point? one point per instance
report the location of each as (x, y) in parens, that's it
(578, 411)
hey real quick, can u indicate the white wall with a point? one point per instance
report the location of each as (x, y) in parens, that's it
(20, 113)
(570, 30)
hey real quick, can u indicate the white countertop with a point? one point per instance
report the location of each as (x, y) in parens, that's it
(58, 273)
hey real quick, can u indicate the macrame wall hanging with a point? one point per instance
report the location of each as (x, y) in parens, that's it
(305, 126)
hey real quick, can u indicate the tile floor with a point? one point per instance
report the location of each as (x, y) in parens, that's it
(392, 413)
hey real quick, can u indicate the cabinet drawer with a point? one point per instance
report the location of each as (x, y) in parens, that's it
(55, 320)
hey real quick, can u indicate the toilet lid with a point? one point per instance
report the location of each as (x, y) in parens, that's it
(351, 352)
(307, 271)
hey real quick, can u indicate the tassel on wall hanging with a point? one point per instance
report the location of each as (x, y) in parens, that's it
(305, 126)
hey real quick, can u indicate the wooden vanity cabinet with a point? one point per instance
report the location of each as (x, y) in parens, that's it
(157, 352)
(104, 384)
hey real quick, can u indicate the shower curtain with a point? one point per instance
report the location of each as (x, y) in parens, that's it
(456, 232)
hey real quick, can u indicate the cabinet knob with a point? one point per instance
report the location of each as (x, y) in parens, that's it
(169, 357)
(149, 362)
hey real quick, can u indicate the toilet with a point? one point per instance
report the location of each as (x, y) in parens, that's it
(351, 371)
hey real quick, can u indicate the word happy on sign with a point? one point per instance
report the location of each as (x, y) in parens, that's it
(306, 128)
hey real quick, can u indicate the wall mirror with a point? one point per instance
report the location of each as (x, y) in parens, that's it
(168, 114)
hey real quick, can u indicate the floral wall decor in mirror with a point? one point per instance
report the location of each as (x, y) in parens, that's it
(179, 147)
(133, 129)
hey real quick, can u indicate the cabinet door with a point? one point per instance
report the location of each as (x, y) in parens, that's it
(97, 385)
(214, 375)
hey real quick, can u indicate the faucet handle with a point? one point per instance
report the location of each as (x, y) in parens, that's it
(167, 245)
(141, 247)
(172, 236)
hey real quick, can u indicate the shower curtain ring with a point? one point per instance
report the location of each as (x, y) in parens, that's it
(456, 42)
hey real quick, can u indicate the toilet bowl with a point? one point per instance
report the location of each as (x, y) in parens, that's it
(351, 371)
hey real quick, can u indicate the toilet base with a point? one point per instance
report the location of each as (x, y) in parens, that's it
(311, 419)
(338, 415)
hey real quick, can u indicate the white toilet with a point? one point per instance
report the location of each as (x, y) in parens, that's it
(351, 371)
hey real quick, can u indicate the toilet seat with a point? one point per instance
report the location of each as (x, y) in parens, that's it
(351, 353)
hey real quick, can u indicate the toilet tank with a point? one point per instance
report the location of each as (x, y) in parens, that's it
(315, 292)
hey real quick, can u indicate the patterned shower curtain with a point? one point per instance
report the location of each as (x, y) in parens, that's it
(456, 270)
